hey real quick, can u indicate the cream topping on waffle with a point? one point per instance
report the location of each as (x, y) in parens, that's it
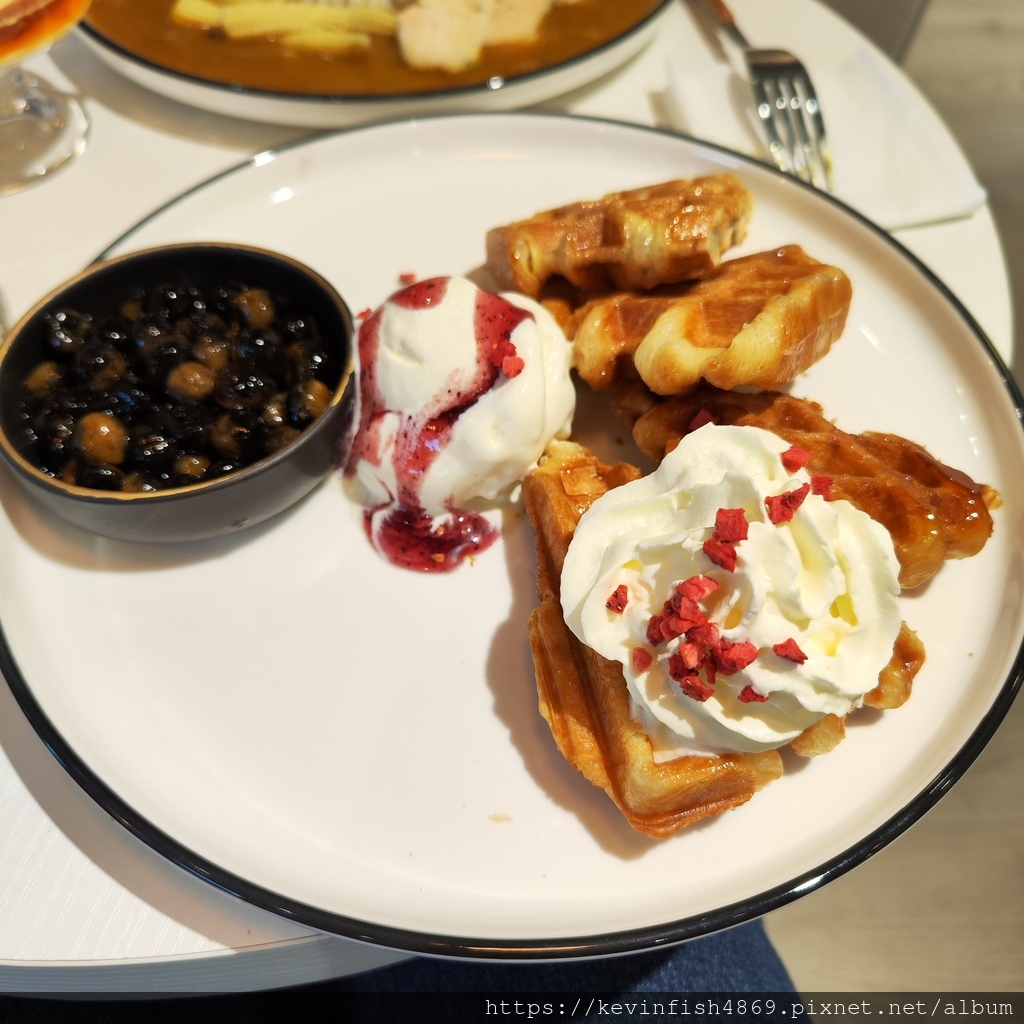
(742, 604)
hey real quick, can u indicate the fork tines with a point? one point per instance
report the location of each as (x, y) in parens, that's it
(788, 108)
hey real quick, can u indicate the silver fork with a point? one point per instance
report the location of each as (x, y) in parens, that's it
(786, 102)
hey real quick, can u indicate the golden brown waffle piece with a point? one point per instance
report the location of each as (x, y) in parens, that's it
(584, 697)
(894, 685)
(931, 511)
(640, 238)
(757, 320)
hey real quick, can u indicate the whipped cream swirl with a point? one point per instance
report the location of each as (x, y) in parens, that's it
(742, 604)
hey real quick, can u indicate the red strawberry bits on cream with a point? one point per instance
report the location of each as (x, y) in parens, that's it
(742, 605)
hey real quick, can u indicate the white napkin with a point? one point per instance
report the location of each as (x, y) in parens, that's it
(893, 158)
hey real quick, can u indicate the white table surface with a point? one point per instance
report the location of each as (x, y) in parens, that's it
(84, 906)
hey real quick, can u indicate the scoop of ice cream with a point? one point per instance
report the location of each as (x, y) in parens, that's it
(742, 604)
(460, 392)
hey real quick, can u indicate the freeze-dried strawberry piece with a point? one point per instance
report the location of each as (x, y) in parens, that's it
(619, 599)
(731, 657)
(705, 634)
(667, 625)
(730, 525)
(781, 507)
(695, 688)
(654, 633)
(730, 528)
(641, 658)
(702, 417)
(502, 354)
(794, 458)
(407, 277)
(687, 657)
(696, 588)
(750, 696)
(681, 612)
(677, 667)
(676, 626)
(677, 623)
(721, 553)
(790, 650)
(709, 671)
(672, 626)
(512, 366)
(822, 485)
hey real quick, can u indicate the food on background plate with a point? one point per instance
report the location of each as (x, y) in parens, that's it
(639, 238)
(757, 320)
(324, 50)
(444, 34)
(321, 27)
(451, 34)
(460, 390)
(172, 386)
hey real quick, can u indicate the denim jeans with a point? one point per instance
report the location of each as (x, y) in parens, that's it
(741, 959)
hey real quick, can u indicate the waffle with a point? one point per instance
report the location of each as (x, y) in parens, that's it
(641, 238)
(932, 512)
(583, 697)
(757, 320)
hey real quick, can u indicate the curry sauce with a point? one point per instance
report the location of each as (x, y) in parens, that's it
(146, 30)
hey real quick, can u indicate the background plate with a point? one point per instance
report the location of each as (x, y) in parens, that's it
(338, 110)
(358, 747)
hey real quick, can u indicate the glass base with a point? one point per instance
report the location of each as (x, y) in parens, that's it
(41, 129)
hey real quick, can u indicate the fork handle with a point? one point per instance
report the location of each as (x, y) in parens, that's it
(717, 10)
(722, 13)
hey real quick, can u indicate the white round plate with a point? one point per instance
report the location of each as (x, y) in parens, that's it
(358, 747)
(338, 111)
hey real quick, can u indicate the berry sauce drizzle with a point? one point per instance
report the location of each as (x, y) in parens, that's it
(403, 531)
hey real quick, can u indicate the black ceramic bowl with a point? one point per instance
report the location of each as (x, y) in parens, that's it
(251, 487)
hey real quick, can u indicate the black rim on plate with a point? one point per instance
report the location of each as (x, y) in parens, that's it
(495, 84)
(567, 947)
